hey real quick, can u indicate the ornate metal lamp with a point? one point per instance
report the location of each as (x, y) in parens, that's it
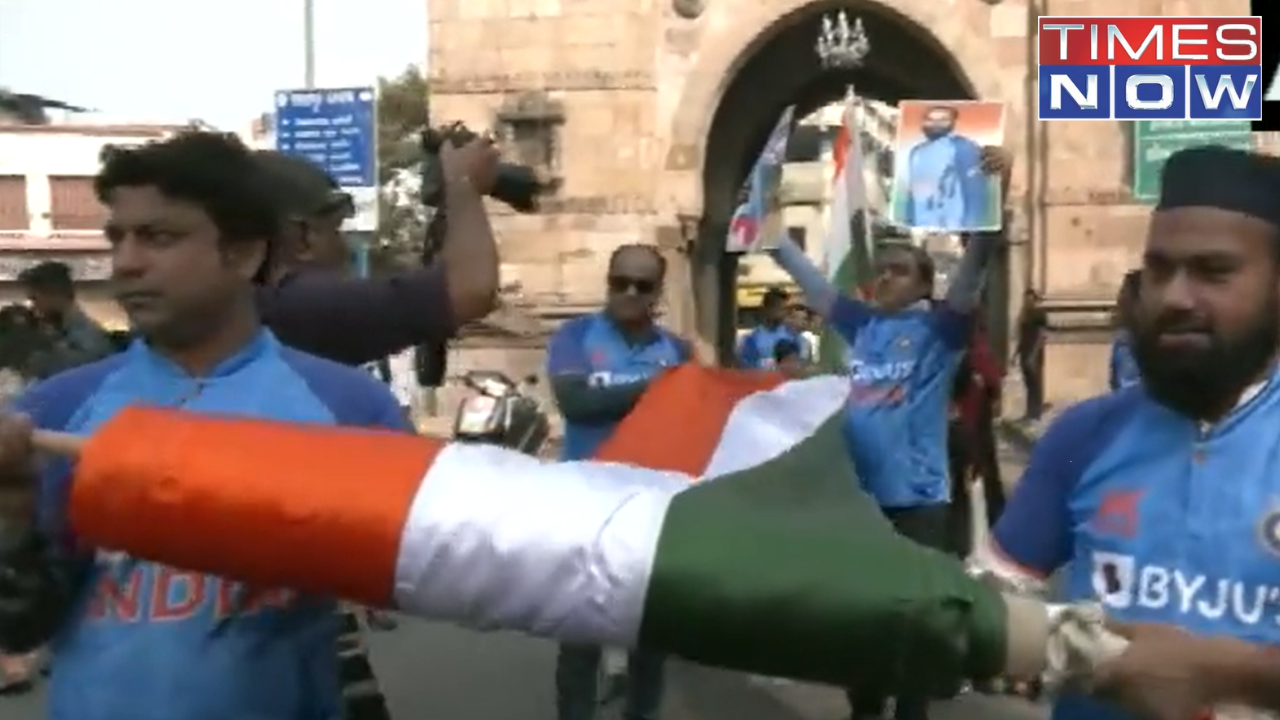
(841, 45)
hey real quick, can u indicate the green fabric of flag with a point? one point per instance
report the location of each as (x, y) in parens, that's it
(788, 569)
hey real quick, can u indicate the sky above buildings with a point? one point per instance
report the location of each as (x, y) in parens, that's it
(171, 61)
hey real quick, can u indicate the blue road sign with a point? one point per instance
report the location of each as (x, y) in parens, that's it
(337, 129)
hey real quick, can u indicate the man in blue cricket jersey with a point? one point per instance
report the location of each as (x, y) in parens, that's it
(189, 226)
(904, 352)
(599, 366)
(946, 183)
(1124, 370)
(755, 351)
(1161, 499)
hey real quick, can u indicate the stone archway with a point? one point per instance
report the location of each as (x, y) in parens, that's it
(744, 76)
(959, 32)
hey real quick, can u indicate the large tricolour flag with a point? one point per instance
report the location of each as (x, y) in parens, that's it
(848, 250)
(723, 522)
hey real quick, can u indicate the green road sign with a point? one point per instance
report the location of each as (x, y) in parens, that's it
(1155, 140)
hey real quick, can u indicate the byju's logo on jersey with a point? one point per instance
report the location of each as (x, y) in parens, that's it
(1187, 599)
(865, 373)
(1113, 579)
(879, 384)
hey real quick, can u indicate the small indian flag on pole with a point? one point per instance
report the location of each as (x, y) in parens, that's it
(847, 251)
(757, 219)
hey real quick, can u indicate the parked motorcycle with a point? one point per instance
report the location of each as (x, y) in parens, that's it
(501, 412)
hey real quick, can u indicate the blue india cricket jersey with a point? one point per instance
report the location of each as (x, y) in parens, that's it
(593, 346)
(755, 352)
(901, 367)
(1160, 517)
(145, 641)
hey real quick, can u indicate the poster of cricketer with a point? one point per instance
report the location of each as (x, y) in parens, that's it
(938, 181)
(757, 218)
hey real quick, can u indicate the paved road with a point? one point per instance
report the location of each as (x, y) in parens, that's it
(432, 671)
(437, 672)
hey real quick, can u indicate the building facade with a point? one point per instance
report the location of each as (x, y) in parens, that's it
(47, 206)
(647, 111)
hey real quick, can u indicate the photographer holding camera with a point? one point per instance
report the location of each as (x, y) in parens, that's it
(309, 304)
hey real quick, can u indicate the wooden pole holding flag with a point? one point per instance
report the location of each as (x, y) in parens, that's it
(57, 443)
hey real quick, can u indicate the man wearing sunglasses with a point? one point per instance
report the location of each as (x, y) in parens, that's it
(599, 366)
(310, 304)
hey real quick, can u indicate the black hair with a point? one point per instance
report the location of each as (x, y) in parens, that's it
(211, 169)
(925, 267)
(651, 249)
(784, 349)
(49, 276)
(773, 297)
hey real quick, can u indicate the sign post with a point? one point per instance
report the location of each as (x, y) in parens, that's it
(1155, 140)
(337, 129)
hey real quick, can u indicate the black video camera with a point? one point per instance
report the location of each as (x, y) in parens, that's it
(517, 186)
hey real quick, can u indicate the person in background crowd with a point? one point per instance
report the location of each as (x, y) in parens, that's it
(310, 306)
(21, 340)
(1124, 370)
(981, 407)
(800, 321)
(310, 252)
(972, 441)
(904, 351)
(788, 359)
(599, 366)
(25, 347)
(1033, 328)
(189, 226)
(1159, 498)
(755, 352)
(77, 339)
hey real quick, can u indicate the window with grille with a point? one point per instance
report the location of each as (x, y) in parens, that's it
(532, 144)
(73, 205)
(13, 203)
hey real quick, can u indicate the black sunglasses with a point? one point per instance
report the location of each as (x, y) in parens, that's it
(622, 284)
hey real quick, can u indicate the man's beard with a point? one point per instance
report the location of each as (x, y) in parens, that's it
(933, 133)
(1202, 381)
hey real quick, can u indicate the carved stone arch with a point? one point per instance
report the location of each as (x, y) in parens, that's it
(736, 31)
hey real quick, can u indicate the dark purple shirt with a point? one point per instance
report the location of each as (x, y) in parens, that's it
(358, 320)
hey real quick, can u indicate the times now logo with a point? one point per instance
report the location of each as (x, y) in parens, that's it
(1150, 68)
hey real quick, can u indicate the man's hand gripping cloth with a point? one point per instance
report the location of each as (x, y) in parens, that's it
(723, 523)
(1078, 639)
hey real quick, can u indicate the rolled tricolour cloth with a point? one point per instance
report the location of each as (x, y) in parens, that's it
(722, 523)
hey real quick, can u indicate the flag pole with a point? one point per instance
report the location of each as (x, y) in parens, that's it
(857, 132)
